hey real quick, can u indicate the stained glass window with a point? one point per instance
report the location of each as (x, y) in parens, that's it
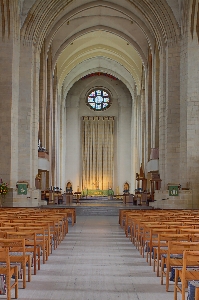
(98, 100)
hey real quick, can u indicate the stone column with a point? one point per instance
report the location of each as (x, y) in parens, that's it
(134, 144)
(148, 100)
(155, 101)
(58, 144)
(63, 142)
(25, 114)
(42, 97)
(49, 115)
(192, 103)
(162, 125)
(56, 125)
(9, 90)
(170, 115)
(55, 133)
(28, 120)
(35, 194)
(143, 150)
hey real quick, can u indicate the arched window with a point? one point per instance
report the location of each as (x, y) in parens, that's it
(98, 100)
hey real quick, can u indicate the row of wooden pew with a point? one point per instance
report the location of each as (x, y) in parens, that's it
(27, 237)
(170, 241)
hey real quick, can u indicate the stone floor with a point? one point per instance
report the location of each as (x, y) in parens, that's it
(94, 262)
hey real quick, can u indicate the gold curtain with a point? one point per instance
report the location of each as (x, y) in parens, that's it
(97, 152)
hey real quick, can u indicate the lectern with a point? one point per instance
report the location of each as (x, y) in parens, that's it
(77, 196)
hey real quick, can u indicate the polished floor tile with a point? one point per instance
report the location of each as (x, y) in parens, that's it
(94, 262)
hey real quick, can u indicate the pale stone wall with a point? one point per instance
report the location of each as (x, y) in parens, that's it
(155, 100)
(76, 108)
(9, 89)
(137, 137)
(42, 98)
(25, 115)
(184, 200)
(8, 109)
(63, 145)
(193, 111)
(172, 114)
(169, 115)
(19, 109)
(183, 107)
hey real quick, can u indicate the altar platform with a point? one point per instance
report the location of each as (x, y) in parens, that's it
(99, 206)
(97, 192)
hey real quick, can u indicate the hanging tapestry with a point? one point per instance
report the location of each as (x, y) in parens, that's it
(97, 152)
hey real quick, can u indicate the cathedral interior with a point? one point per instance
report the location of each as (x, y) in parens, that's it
(99, 112)
(101, 97)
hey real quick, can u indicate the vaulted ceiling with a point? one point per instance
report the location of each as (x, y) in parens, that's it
(86, 36)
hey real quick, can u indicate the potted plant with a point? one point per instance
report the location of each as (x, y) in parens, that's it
(3, 188)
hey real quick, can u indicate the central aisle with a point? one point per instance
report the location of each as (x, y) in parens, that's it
(95, 262)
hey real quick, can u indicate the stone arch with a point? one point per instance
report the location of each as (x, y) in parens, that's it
(103, 28)
(157, 14)
(123, 75)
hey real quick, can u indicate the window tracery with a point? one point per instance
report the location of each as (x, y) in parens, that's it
(98, 100)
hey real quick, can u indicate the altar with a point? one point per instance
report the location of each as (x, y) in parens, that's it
(97, 192)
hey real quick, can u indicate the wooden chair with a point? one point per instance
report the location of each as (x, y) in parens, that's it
(197, 293)
(162, 245)
(30, 246)
(9, 271)
(142, 230)
(48, 234)
(41, 239)
(18, 255)
(153, 241)
(188, 272)
(173, 257)
(53, 232)
(148, 233)
(128, 221)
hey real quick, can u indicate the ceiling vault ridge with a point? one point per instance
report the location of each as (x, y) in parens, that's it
(44, 15)
(163, 29)
(101, 27)
(133, 75)
(130, 67)
(84, 7)
(33, 25)
(68, 84)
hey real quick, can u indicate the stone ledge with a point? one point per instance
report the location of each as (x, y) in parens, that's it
(183, 201)
(12, 199)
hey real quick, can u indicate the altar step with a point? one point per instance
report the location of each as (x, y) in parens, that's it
(100, 207)
(104, 210)
(100, 200)
(97, 210)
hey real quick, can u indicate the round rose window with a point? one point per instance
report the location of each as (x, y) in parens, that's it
(98, 100)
